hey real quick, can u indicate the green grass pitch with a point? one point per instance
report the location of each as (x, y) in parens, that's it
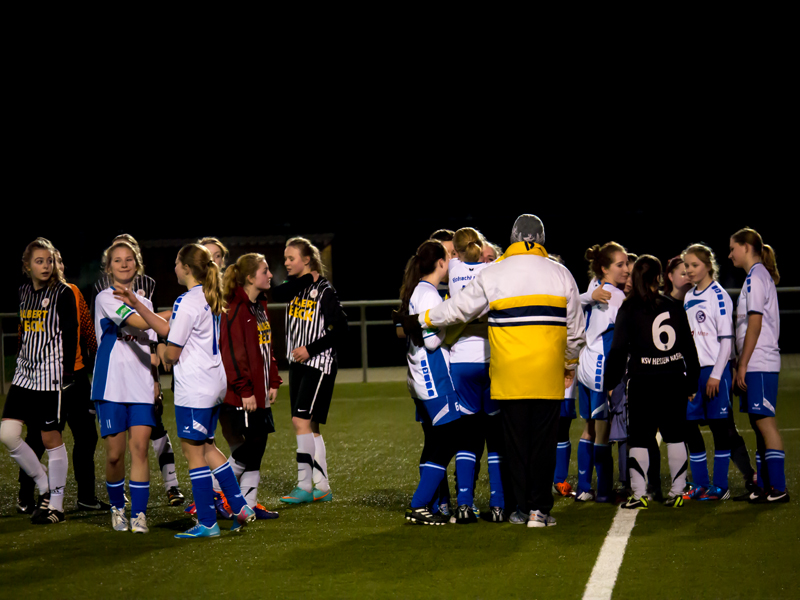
(360, 546)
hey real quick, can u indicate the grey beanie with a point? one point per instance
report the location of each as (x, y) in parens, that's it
(528, 228)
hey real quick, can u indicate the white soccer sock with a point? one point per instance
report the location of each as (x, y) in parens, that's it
(638, 463)
(238, 468)
(678, 464)
(305, 461)
(27, 461)
(57, 465)
(160, 446)
(321, 460)
(249, 484)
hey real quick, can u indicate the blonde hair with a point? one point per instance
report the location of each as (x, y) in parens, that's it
(236, 275)
(213, 240)
(41, 243)
(706, 256)
(124, 237)
(307, 249)
(760, 249)
(469, 243)
(108, 252)
(206, 272)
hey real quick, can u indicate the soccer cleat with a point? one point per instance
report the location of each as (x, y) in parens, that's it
(224, 510)
(775, 496)
(191, 509)
(751, 488)
(539, 519)
(758, 496)
(320, 496)
(298, 496)
(692, 492)
(44, 504)
(139, 524)
(199, 531)
(95, 504)
(444, 509)
(636, 503)
(465, 514)
(715, 493)
(496, 514)
(518, 518)
(262, 513)
(174, 496)
(563, 489)
(585, 496)
(246, 515)
(118, 520)
(674, 501)
(26, 507)
(476, 510)
(423, 516)
(47, 516)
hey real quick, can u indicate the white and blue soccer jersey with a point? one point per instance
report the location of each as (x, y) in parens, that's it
(473, 344)
(199, 373)
(759, 296)
(122, 365)
(600, 320)
(710, 319)
(428, 367)
(586, 297)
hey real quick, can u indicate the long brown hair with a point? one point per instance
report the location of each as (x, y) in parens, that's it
(41, 243)
(646, 275)
(309, 250)
(206, 272)
(421, 264)
(600, 257)
(760, 249)
(236, 275)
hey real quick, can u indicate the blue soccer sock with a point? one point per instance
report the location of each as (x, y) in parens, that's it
(775, 468)
(699, 465)
(140, 494)
(116, 493)
(203, 492)
(585, 465)
(759, 481)
(432, 475)
(563, 453)
(604, 465)
(230, 487)
(465, 474)
(722, 461)
(497, 498)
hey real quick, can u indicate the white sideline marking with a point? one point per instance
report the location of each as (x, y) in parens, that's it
(604, 575)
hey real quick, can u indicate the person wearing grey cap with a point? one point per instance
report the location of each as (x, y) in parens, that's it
(536, 330)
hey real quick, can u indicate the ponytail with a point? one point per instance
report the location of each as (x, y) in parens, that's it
(206, 272)
(768, 259)
(600, 257)
(760, 249)
(469, 242)
(421, 264)
(236, 275)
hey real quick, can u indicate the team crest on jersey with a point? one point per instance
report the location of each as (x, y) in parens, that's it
(45, 302)
(140, 292)
(701, 316)
(313, 293)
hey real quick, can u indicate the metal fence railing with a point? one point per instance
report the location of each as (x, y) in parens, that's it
(362, 323)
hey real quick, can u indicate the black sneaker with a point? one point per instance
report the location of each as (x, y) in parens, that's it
(174, 496)
(44, 504)
(674, 501)
(636, 503)
(47, 516)
(465, 514)
(95, 504)
(423, 516)
(758, 496)
(496, 514)
(775, 496)
(26, 507)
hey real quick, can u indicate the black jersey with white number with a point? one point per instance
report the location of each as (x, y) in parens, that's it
(658, 339)
(49, 336)
(314, 319)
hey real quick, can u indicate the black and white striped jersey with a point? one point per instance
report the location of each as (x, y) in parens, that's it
(49, 336)
(145, 283)
(315, 319)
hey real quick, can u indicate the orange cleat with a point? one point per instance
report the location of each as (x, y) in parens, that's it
(565, 489)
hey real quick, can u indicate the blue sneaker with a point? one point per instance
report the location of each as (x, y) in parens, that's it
(693, 492)
(262, 513)
(320, 496)
(715, 493)
(298, 496)
(199, 531)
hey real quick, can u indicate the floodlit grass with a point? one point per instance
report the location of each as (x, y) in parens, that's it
(360, 546)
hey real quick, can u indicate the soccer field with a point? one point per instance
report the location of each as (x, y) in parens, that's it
(360, 546)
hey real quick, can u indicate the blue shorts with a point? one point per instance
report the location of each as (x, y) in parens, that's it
(702, 407)
(116, 417)
(196, 423)
(437, 411)
(593, 405)
(568, 409)
(472, 382)
(761, 396)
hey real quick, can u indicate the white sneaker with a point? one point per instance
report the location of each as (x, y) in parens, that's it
(118, 520)
(539, 519)
(139, 524)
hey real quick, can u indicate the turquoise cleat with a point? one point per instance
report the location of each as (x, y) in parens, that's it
(297, 496)
(199, 531)
(243, 517)
(320, 496)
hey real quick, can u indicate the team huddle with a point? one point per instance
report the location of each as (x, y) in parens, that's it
(217, 343)
(644, 351)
